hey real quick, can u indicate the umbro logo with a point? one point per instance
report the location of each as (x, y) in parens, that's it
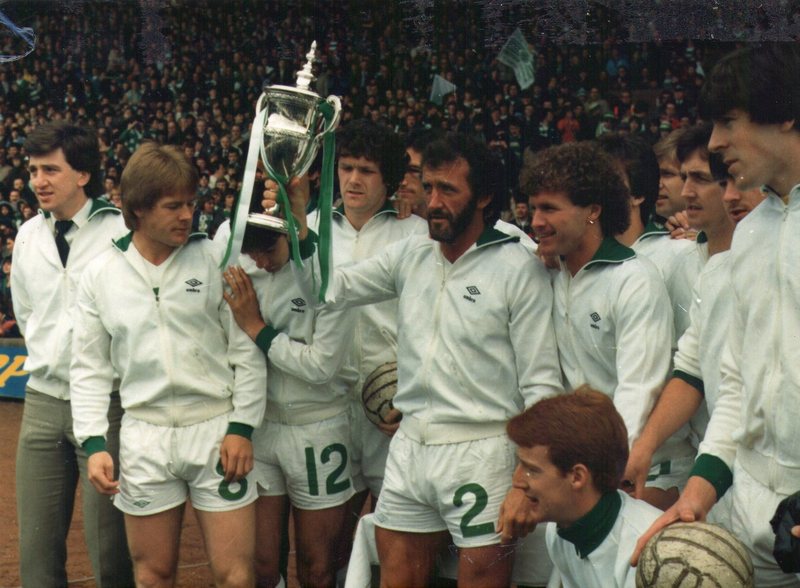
(141, 503)
(299, 303)
(473, 291)
(596, 319)
(193, 283)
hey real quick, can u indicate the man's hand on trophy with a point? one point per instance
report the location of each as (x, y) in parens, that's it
(299, 194)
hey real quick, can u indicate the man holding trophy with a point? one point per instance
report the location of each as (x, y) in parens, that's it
(475, 346)
(302, 448)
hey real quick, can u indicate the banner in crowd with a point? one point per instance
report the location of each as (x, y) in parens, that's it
(25, 34)
(516, 55)
(12, 377)
(441, 88)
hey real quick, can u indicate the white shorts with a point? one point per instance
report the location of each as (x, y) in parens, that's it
(672, 473)
(310, 463)
(160, 467)
(370, 448)
(458, 487)
(752, 506)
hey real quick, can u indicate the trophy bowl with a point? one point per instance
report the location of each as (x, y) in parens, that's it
(292, 132)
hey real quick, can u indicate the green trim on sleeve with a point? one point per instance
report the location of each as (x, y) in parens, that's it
(713, 470)
(240, 429)
(94, 445)
(308, 245)
(265, 338)
(693, 381)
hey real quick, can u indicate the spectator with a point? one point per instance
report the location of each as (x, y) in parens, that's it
(8, 324)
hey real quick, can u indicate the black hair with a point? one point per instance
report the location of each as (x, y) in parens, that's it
(418, 139)
(694, 139)
(483, 168)
(761, 79)
(80, 147)
(586, 175)
(259, 238)
(641, 166)
(719, 171)
(377, 143)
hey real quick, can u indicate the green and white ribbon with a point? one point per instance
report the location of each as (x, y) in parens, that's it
(239, 218)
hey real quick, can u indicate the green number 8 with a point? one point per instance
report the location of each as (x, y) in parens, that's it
(224, 486)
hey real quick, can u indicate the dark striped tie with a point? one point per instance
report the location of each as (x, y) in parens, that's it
(62, 228)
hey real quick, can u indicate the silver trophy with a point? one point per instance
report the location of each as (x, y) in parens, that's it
(293, 129)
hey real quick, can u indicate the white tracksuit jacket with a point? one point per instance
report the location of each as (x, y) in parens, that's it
(607, 566)
(178, 352)
(44, 291)
(374, 340)
(697, 360)
(757, 411)
(678, 269)
(307, 348)
(613, 324)
(475, 343)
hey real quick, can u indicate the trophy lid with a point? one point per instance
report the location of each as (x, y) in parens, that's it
(292, 91)
(304, 79)
(304, 76)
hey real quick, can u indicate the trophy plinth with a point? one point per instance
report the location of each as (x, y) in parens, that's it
(268, 221)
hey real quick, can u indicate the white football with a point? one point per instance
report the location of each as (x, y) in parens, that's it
(696, 555)
(378, 391)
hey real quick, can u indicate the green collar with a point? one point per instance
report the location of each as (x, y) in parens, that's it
(490, 236)
(387, 207)
(589, 531)
(653, 229)
(99, 205)
(124, 242)
(611, 251)
(702, 237)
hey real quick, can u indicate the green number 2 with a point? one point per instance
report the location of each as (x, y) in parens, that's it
(224, 486)
(481, 500)
(332, 484)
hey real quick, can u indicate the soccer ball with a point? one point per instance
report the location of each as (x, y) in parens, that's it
(378, 391)
(697, 555)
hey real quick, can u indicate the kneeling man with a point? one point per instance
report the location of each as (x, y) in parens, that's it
(572, 453)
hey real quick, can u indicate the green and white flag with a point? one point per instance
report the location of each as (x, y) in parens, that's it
(441, 88)
(516, 55)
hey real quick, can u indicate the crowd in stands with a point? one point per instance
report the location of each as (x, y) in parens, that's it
(189, 73)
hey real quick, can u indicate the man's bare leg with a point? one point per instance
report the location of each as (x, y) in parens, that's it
(408, 559)
(154, 541)
(485, 567)
(230, 539)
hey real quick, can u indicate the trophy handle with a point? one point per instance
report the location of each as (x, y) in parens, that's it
(337, 112)
(260, 105)
(260, 102)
